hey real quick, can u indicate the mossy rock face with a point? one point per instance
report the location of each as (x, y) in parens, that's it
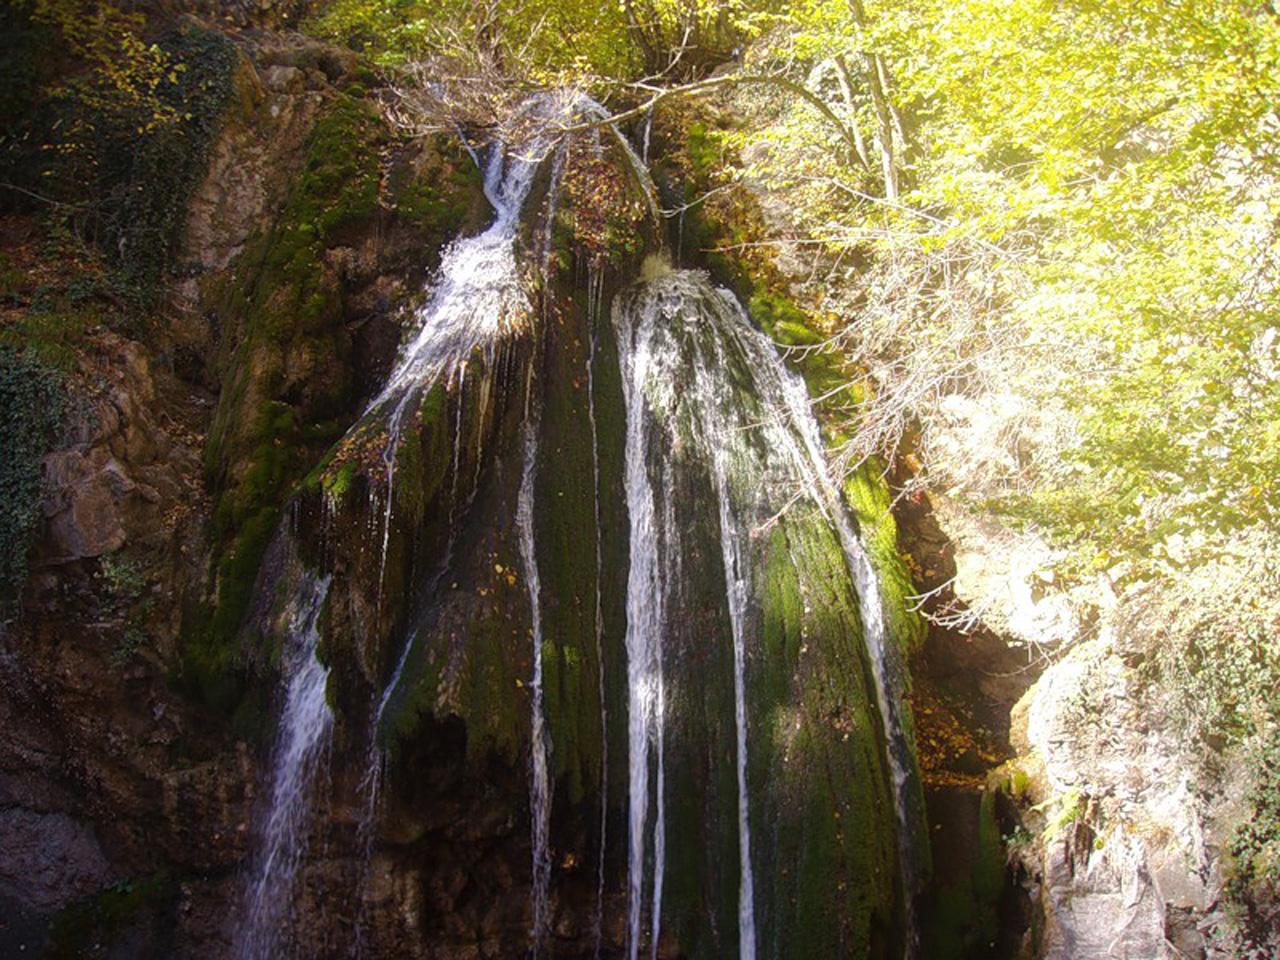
(821, 810)
(427, 567)
(144, 904)
(961, 914)
(291, 376)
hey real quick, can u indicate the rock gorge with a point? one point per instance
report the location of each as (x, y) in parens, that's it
(457, 573)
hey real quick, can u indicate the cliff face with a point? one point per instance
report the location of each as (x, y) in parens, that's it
(213, 453)
(134, 719)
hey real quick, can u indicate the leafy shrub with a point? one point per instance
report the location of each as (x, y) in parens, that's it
(109, 132)
(1255, 845)
(1210, 642)
(1255, 855)
(31, 407)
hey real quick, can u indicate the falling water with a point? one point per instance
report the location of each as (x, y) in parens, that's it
(539, 785)
(886, 668)
(784, 392)
(732, 544)
(682, 311)
(305, 726)
(478, 299)
(645, 614)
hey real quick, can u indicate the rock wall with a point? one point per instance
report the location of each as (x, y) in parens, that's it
(1133, 835)
(128, 767)
(137, 708)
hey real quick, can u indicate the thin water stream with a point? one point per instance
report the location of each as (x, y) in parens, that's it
(539, 783)
(305, 726)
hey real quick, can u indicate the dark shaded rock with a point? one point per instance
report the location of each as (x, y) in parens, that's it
(49, 860)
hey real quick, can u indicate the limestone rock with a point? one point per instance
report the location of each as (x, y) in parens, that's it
(1136, 871)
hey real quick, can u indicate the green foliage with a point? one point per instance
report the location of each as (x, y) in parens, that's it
(123, 578)
(131, 641)
(1083, 242)
(52, 336)
(31, 407)
(124, 582)
(145, 179)
(1255, 844)
(111, 134)
(549, 35)
(1209, 646)
(546, 43)
(1066, 808)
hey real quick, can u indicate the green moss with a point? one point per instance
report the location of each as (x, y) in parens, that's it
(871, 501)
(832, 890)
(438, 198)
(81, 928)
(53, 336)
(702, 877)
(31, 405)
(961, 918)
(988, 875)
(482, 647)
(565, 534)
(338, 185)
(338, 483)
(264, 432)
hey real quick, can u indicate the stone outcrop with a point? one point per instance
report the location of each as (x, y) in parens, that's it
(1131, 834)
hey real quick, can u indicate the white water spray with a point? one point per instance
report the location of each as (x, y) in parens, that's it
(305, 727)
(646, 601)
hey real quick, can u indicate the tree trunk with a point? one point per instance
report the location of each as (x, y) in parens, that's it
(846, 90)
(877, 77)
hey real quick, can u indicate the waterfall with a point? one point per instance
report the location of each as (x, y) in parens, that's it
(478, 300)
(539, 785)
(763, 448)
(711, 409)
(732, 539)
(883, 653)
(305, 726)
(645, 613)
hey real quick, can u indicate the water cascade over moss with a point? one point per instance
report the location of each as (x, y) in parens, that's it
(731, 794)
